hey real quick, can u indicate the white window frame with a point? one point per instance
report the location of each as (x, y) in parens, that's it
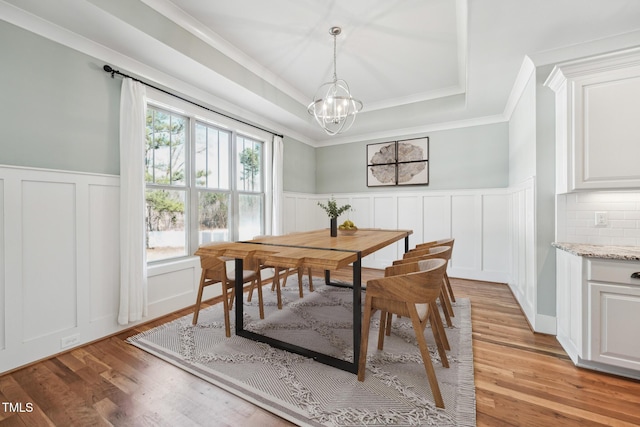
(196, 114)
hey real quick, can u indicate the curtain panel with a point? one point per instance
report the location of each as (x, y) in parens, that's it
(133, 263)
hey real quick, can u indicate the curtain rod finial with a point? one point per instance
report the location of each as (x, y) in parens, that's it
(108, 69)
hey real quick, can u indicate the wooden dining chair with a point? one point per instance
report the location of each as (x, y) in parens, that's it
(409, 295)
(436, 252)
(214, 270)
(279, 272)
(437, 327)
(441, 242)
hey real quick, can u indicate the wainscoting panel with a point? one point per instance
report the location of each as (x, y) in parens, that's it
(436, 216)
(478, 219)
(385, 216)
(60, 267)
(522, 236)
(466, 223)
(49, 258)
(495, 248)
(104, 232)
(2, 274)
(361, 212)
(410, 215)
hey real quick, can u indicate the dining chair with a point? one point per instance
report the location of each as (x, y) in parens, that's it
(285, 272)
(214, 270)
(409, 295)
(438, 330)
(436, 252)
(441, 242)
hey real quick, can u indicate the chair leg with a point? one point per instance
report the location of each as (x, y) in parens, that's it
(227, 308)
(253, 284)
(384, 316)
(199, 298)
(260, 300)
(437, 323)
(276, 271)
(300, 273)
(387, 327)
(447, 301)
(310, 279)
(276, 281)
(426, 358)
(449, 288)
(445, 311)
(364, 341)
(437, 336)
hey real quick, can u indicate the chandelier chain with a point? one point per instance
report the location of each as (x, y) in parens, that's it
(335, 73)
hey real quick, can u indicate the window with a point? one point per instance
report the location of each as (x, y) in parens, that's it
(204, 183)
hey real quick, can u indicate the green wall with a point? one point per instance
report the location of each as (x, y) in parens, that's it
(472, 157)
(58, 109)
(299, 167)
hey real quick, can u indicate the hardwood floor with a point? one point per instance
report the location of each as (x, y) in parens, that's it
(522, 379)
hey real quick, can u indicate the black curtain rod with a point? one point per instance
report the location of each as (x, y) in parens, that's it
(108, 69)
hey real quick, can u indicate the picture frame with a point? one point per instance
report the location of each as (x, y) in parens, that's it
(396, 163)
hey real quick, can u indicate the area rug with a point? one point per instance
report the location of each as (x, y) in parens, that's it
(395, 391)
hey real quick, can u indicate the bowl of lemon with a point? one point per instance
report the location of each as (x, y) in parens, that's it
(347, 228)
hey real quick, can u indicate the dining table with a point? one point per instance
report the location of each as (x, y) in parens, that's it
(315, 249)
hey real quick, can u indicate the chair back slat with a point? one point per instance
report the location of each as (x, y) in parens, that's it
(435, 252)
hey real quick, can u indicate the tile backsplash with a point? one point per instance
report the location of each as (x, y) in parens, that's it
(576, 218)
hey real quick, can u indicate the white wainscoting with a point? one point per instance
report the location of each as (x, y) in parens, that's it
(494, 231)
(59, 264)
(522, 254)
(478, 219)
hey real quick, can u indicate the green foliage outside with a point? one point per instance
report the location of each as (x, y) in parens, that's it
(165, 165)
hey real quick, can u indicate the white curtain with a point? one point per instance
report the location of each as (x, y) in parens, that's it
(277, 219)
(133, 262)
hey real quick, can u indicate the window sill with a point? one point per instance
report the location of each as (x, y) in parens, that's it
(170, 266)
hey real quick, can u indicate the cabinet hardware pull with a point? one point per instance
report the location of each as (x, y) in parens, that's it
(635, 275)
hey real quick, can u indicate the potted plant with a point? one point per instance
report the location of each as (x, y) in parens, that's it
(333, 211)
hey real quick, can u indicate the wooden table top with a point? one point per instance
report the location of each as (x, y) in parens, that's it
(315, 249)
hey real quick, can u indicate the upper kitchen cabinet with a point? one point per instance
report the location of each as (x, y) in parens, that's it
(597, 122)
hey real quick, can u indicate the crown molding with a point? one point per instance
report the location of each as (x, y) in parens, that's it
(527, 69)
(413, 131)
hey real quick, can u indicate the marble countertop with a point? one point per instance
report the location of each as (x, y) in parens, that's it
(630, 253)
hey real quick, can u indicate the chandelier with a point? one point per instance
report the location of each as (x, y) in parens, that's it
(333, 106)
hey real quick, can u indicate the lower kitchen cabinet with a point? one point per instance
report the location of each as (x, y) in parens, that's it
(598, 312)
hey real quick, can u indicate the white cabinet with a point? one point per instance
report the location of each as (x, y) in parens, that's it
(614, 308)
(570, 307)
(597, 122)
(598, 313)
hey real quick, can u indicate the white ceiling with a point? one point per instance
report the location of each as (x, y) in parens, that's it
(417, 65)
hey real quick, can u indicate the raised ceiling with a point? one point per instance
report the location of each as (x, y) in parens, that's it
(417, 65)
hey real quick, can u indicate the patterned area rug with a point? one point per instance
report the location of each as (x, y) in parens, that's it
(395, 391)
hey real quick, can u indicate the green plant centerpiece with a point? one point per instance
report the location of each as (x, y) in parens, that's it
(333, 211)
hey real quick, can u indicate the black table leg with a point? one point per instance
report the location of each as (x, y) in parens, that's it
(357, 309)
(238, 290)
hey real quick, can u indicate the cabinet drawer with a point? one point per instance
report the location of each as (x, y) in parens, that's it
(616, 271)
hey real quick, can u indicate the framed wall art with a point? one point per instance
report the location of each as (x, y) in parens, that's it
(394, 163)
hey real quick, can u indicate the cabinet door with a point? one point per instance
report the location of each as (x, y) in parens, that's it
(615, 324)
(607, 130)
(569, 304)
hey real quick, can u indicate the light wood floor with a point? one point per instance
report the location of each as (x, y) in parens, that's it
(522, 379)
